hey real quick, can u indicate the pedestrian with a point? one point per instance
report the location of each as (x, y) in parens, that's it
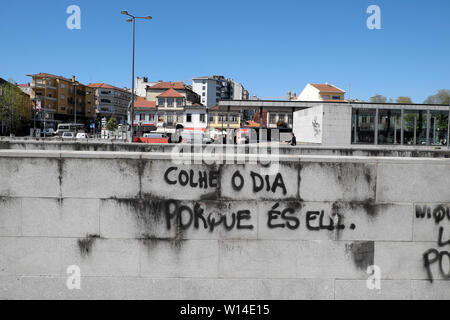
(293, 141)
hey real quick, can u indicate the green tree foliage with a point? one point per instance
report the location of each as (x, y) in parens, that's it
(378, 99)
(112, 124)
(441, 97)
(403, 99)
(13, 107)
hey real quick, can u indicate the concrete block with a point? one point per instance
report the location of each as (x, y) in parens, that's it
(91, 288)
(133, 218)
(224, 220)
(424, 290)
(10, 216)
(358, 290)
(404, 260)
(258, 259)
(336, 181)
(60, 217)
(413, 182)
(10, 287)
(180, 258)
(100, 178)
(165, 179)
(253, 181)
(29, 177)
(429, 219)
(29, 256)
(340, 221)
(294, 259)
(101, 257)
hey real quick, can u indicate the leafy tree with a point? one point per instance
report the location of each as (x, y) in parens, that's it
(378, 99)
(441, 97)
(112, 124)
(403, 99)
(14, 107)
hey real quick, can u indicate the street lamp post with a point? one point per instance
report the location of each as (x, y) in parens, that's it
(133, 20)
(75, 84)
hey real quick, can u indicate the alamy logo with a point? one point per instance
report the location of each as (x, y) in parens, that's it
(373, 282)
(374, 21)
(74, 280)
(74, 20)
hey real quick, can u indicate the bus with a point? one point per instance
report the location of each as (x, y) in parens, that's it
(69, 127)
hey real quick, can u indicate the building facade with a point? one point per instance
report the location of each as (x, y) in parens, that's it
(215, 88)
(59, 97)
(141, 86)
(15, 109)
(111, 101)
(321, 92)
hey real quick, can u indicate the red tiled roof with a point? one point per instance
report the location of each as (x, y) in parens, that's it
(171, 93)
(43, 74)
(327, 88)
(106, 86)
(142, 103)
(23, 85)
(168, 85)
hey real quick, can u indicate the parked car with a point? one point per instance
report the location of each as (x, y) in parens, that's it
(68, 135)
(82, 135)
(50, 132)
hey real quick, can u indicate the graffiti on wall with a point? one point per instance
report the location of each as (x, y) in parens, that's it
(440, 215)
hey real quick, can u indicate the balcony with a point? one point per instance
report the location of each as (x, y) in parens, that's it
(42, 86)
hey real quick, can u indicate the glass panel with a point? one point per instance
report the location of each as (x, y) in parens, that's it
(439, 128)
(415, 132)
(389, 126)
(363, 125)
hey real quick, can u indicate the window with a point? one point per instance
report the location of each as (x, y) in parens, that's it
(151, 117)
(211, 117)
(326, 97)
(336, 97)
(63, 86)
(188, 117)
(63, 107)
(161, 102)
(170, 118)
(290, 119)
(202, 117)
(180, 102)
(142, 117)
(272, 118)
(234, 118)
(170, 102)
(204, 88)
(63, 96)
(203, 94)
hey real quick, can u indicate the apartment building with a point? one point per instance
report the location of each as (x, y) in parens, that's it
(111, 101)
(141, 86)
(321, 92)
(214, 88)
(218, 117)
(59, 96)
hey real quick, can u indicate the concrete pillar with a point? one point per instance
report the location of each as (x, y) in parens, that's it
(428, 127)
(415, 130)
(402, 125)
(228, 118)
(376, 126)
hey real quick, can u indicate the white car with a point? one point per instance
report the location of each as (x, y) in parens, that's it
(68, 135)
(82, 136)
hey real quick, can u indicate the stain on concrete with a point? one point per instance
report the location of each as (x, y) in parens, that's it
(362, 253)
(85, 244)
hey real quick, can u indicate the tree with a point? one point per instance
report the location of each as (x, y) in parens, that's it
(403, 99)
(442, 97)
(378, 99)
(14, 107)
(112, 124)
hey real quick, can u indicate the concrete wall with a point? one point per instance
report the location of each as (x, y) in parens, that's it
(327, 125)
(138, 227)
(119, 146)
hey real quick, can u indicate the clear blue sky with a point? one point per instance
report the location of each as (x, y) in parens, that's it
(269, 46)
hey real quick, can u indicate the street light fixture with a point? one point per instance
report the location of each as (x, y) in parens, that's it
(133, 20)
